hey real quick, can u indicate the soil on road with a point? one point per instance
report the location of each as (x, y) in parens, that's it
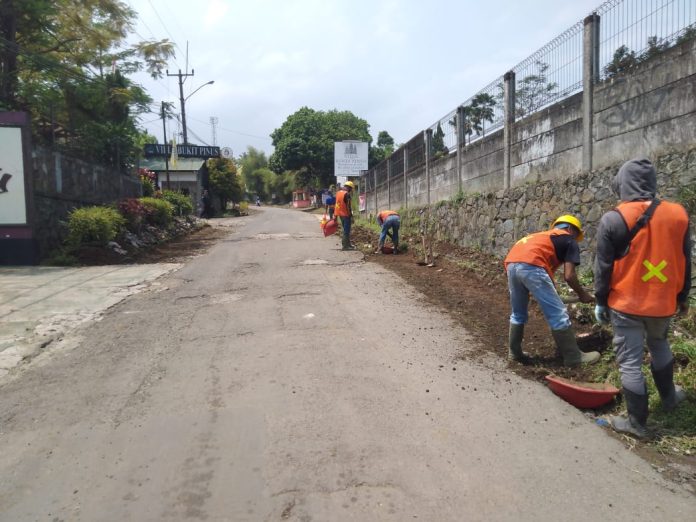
(279, 378)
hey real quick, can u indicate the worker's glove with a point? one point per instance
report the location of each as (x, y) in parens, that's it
(601, 313)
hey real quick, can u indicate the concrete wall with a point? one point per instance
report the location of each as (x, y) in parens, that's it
(548, 144)
(62, 183)
(650, 111)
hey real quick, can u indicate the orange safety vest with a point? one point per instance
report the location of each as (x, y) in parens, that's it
(536, 249)
(647, 280)
(341, 209)
(382, 216)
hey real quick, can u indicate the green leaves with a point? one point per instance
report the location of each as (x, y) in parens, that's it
(305, 142)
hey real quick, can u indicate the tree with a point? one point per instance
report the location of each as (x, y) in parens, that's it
(482, 111)
(383, 149)
(250, 162)
(438, 143)
(224, 181)
(534, 91)
(623, 60)
(67, 62)
(304, 143)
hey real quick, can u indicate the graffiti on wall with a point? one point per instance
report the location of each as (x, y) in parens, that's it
(630, 101)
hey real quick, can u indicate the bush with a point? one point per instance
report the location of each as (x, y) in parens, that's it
(134, 212)
(181, 202)
(90, 225)
(158, 212)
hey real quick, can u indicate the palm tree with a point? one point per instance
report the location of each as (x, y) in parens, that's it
(482, 108)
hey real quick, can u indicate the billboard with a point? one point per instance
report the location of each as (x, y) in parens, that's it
(13, 206)
(350, 157)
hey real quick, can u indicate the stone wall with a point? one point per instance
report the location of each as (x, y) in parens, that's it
(62, 184)
(494, 221)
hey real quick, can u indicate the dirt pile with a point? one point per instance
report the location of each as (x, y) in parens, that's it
(472, 287)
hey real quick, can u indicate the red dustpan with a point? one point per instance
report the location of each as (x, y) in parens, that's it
(330, 228)
(582, 394)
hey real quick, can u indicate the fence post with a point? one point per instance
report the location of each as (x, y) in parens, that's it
(428, 148)
(374, 172)
(460, 134)
(509, 108)
(590, 74)
(405, 169)
(389, 182)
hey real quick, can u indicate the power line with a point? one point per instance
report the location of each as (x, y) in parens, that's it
(234, 131)
(164, 25)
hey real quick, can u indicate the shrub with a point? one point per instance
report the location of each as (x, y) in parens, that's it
(183, 206)
(133, 211)
(89, 225)
(158, 212)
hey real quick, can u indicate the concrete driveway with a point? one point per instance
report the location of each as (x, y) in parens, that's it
(38, 305)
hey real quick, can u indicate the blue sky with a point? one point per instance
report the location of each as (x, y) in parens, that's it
(400, 65)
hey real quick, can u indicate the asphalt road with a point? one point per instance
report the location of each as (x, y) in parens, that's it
(278, 378)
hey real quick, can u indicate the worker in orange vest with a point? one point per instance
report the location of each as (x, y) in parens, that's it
(388, 220)
(530, 266)
(344, 210)
(642, 278)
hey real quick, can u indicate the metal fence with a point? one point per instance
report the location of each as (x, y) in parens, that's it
(630, 31)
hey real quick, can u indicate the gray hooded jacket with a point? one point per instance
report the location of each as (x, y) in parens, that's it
(635, 181)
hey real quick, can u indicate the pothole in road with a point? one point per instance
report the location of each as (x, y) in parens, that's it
(315, 262)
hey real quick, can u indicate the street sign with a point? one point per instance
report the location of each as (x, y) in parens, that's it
(350, 157)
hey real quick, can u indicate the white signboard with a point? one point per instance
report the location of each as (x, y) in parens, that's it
(350, 157)
(13, 207)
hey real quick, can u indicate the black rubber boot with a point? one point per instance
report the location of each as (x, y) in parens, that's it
(670, 394)
(635, 423)
(515, 343)
(567, 345)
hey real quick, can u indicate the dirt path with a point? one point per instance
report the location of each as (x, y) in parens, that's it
(472, 288)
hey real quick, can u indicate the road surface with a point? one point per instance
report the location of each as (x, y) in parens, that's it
(278, 378)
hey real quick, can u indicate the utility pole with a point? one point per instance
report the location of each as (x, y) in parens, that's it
(164, 130)
(182, 79)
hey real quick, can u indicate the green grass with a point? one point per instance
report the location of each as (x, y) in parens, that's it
(676, 430)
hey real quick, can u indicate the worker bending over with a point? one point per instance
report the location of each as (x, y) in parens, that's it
(530, 265)
(390, 222)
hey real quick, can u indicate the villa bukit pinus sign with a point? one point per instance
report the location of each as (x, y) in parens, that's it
(350, 157)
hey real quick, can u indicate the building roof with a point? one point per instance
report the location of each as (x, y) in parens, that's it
(182, 164)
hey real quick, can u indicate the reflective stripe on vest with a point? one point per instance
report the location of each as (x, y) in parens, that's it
(647, 279)
(341, 207)
(538, 250)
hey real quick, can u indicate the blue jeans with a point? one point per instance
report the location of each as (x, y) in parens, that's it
(393, 222)
(524, 279)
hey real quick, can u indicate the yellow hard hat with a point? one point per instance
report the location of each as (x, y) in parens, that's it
(349, 184)
(571, 220)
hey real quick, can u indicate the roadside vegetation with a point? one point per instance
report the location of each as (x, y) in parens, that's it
(464, 280)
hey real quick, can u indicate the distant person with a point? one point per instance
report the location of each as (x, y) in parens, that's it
(388, 220)
(330, 205)
(642, 278)
(205, 204)
(258, 201)
(530, 266)
(344, 210)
